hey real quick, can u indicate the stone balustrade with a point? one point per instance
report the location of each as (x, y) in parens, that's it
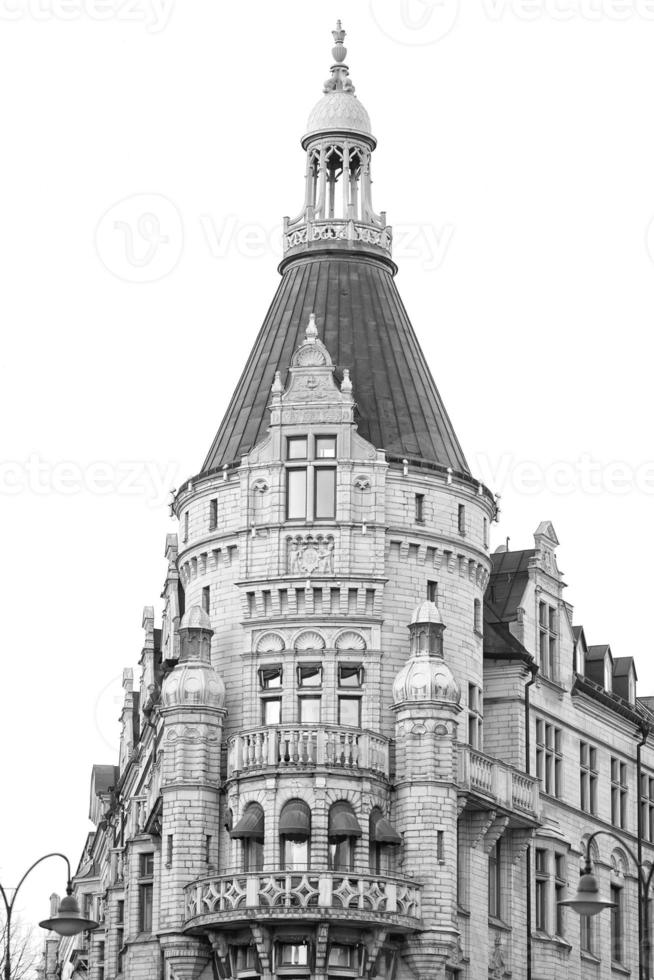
(305, 895)
(307, 746)
(493, 778)
(339, 230)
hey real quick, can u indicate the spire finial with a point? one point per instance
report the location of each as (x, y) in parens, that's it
(312, 331)
(339, 80)
(338, 51)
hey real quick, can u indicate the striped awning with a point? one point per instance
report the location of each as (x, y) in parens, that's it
(342, 822)
(251, 825)
(295, 820)
(382, 830)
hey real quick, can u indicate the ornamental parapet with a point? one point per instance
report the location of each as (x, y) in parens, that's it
(296, 747)
(500, 784)
(302, 895)
(337, 230)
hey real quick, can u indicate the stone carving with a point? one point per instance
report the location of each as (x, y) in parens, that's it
(309, 640)
(310, 555)
(497, 962)
(362, 482)
(270, 643)
(350, 640)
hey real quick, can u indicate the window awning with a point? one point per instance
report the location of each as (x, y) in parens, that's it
(342, 822)
(250, 826)
(383, 832)
(295, 820)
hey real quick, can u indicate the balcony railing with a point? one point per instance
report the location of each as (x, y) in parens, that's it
(307, 746)
(304, 895)
(492, 778)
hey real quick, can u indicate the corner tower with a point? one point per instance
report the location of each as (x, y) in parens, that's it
(334, 500)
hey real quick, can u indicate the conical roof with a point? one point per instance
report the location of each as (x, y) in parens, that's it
(363, 323)
(337, 265)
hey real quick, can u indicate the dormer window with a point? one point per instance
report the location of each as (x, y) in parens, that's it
(310, 489)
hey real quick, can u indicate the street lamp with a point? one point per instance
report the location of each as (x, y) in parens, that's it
(67, 922)
(587, 901)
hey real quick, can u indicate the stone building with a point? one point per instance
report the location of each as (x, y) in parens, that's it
(360, 743)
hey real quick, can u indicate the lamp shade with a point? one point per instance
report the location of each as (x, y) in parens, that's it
(68, 921)
(586, 900)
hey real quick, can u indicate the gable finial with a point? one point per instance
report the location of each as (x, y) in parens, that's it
(311, 333)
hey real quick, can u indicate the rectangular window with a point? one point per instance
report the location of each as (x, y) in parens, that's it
(475, 722)
(206, 599)
(462, 519)
(213, 514)
(349, 712)
(325, 494)
(485, 533)
(185, 535)
(342, 957)
(586, 933)
(588, 778)
(270, 677)
(549, 758)
(541, 890)
(559, 892)
(120, 934)
(419, 508)
(547, 639)
(325, 447)
(477, 616)
(494, 887)
(618, 793)
(272, 711)
(296, 447)
(432, 591)
(309, 675)
(169, 850)
(350, 675)
(296, 494)
(146, 873)
(100, 955)
(617, 931)
(309, 711)
(252, 854)
(296, 954)
(647, 806)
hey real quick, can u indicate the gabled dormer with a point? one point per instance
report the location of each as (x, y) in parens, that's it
(599, 665)
(624, 678)
(104, 779)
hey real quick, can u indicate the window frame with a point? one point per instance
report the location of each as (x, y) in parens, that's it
(312, 465)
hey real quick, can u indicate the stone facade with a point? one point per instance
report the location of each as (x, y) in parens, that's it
(361, 745)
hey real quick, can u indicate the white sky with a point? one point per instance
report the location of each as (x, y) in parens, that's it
(515, 160)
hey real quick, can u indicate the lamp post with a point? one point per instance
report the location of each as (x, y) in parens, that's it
(67, 922)
(587, 901)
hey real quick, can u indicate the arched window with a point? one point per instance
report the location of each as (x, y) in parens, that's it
(295, 836)
(343, 830)
(383, 841)
(250, 830)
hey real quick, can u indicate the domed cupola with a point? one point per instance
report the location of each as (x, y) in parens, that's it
(339, 109)
(194, 682)
(426, 676)
(337, 214)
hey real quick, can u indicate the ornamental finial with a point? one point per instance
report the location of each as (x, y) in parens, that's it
(338, 51)
(312, 331)
(339, 80)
